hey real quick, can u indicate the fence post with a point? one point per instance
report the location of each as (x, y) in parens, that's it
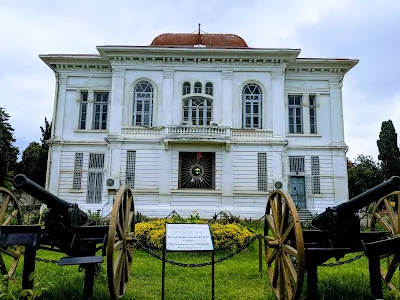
(260, 252)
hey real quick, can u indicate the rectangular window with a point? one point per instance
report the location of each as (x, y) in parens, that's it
(100, 110)
(77, 181)
(197, 170)
(315, 173)
(313, 114)
(83, 110)
(130, 169)
(95, 178)
(295, 114)
(262, 172)
(296, 164)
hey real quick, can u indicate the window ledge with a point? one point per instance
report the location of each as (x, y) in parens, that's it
(76, 191)
(303, 135)
(197, 191)
(90, 131)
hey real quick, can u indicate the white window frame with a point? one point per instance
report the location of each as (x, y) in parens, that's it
(186, 88)
(313, 113)
(251, 98)
(83, 109)
(144, 97)
(205, 110)
(262, 171)
(130, 168)
(95, 178)
(78, 170)
(198, 88)
(295, 114)
(315, 174)
(103, 105)
(209, 89)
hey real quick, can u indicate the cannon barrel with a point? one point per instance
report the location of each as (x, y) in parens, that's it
(353, 205)
(35, 190)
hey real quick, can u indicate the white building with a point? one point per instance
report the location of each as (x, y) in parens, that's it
(197, 122)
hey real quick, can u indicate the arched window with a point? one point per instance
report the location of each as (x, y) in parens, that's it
(197, 88)
(186, 88)
(143, 104)
(252, 106)
(197, 110)
(209, 88)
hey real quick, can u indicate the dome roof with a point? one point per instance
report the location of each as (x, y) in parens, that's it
(193, 39)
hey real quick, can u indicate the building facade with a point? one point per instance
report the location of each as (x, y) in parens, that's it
(197, 122)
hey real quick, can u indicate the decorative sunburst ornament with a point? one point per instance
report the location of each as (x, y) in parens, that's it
(197, 170)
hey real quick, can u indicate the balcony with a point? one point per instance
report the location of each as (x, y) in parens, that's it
(196, 134)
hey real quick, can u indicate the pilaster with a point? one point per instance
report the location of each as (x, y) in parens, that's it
(337, 129)
(58, 133)
(54, 174)
(227, 180)
(278, 98)
(227, 100)
(116, 101)
(167, 105)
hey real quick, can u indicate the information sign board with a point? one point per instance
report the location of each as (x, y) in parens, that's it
(188, 237)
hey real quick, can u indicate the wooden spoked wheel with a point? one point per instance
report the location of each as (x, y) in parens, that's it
(284, 246)
(120, 243)
(10, 214)
(385, 217)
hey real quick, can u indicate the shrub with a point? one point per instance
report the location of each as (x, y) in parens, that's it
(228, 236)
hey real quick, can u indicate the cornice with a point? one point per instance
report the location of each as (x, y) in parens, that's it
(311, 66)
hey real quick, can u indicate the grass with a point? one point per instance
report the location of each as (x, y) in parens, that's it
(236, 278)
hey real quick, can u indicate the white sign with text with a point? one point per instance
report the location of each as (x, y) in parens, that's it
(188, 237)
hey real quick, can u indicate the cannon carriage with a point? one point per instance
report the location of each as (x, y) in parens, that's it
(291, 251)
(66, 230)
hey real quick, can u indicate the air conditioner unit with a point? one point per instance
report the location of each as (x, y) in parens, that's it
(214, 123)
(278, 184)
(112, 183)
(186, 123)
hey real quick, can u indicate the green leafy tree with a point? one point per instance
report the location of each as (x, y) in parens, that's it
(389, 153)
(363, 174)
(8, 152)
(34, 158)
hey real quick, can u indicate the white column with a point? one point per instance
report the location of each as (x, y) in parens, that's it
(277, 165)
(337, 129)
(58, 132)
(306, 113)
(167, 106)
(115, 159)
(340, 183)
(89, 112)
(116, 102)
(227, 180)
(278, 98)
(54, 174)
(227, 111)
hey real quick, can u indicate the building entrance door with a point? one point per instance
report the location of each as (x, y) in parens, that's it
(298, 190)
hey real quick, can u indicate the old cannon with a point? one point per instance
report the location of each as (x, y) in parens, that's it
(66, 230)
(291, 251)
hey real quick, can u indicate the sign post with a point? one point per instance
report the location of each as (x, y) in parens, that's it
(187, 238)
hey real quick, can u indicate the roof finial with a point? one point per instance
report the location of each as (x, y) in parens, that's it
(199, 27)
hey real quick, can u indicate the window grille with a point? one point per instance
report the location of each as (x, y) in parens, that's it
(143, 104)
(130, 169)
(197, 110)
(209, 88)
(315, 173)
(196, 170)
(313, 114)
(77, 181)
(262, 172)
(197, 88)
(100, 110)
(296, 164)
(83, 110)
(186, 88)
(295, 114)
(252, 106)
(95, 177)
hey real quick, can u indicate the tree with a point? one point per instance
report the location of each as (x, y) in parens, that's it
(8, 152)
(363, 175)
(34, 158)
(389, 153)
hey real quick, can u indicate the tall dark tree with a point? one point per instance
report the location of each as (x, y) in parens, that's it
(34, 158)
(363, 174)
(389, 153)
(8, 152)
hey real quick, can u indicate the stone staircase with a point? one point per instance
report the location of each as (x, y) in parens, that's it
(304, 215)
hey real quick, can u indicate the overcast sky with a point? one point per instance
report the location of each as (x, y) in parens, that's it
(367, 30)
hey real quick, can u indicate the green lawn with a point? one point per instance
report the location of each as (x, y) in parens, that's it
(235, 278)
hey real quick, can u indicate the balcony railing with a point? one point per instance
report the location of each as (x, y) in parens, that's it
(196, 132)
(211, 133)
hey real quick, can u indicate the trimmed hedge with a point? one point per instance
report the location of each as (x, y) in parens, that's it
(225, 236)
